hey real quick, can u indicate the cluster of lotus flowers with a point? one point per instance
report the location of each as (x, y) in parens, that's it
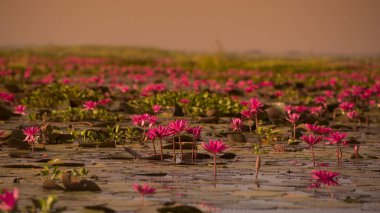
(174, 129)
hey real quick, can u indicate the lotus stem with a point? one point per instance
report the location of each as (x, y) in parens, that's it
(173, 150)
(162, 156)
(323, 141)
(356, 151)
(256, 122)
(215, 165)
(193, 155)
(180, 146)
(154, 147)
(339, 154)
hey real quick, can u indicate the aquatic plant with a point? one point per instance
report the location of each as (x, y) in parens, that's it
(45, 205)
(214, 146)
(54, 96)
(55, 173)
(268, 133)
(115, 134)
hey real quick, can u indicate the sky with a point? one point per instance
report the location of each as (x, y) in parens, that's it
(270, 26)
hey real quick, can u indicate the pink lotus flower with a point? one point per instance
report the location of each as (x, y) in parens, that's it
(214, 146)
(48, 79)
(176, 127)
(255, 105)
(346, 106)
(236, 124)
(20, 109)
(324, 130)
(140, 120)
(105, 101)
(8, 200)
(278, 93)
(312, 127)
(159, 132)
(247, 113)
(288, 109)
(143, 189)
(320, 100)
(30, 133)
(325, 177)
(316, 110)
(152, 120)
(156, 108)
(329, 93)
(7, 97)
(123, 88)
(65, 81)
(352, 114)
(293, 117)
(300, 109)
(184, 101)
(90, 105)
(311, 140)
(27, 72)
(150, 134)
(196, 132)
(336, 138)
(244, 103)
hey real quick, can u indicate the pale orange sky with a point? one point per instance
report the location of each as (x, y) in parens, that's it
(274, 26)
